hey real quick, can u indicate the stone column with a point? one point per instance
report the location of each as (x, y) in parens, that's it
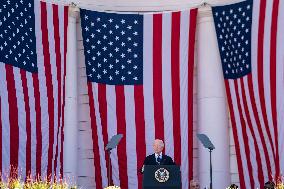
(70, 120)
(211, 104)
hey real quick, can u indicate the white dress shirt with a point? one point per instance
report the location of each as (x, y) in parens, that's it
(158, 156)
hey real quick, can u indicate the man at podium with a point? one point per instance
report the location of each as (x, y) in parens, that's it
(158, 158)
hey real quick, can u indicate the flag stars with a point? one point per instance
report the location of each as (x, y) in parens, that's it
(122, 21)
(122, 78)
(110, 77)
(116, 26)
(110, 66)
(99, 76)
(110, 20)
(135, 22)
(116, 49)
(122, 55)
(105, 71)
(116, 72)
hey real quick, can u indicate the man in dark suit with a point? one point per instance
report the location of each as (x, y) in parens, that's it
(158, 158)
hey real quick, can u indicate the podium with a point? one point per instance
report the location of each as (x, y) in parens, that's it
(161, 177)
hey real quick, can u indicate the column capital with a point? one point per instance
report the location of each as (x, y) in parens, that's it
(73, 11)
(205, 14)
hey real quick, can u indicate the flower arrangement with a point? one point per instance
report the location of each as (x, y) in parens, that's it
(112, 187)
(279, 184)
(12, 180)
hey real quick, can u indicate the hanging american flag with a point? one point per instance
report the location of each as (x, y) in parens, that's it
(33, 38)
(140, 84)
(251, 45)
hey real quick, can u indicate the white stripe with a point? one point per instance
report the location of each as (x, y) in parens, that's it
(33, 122)
(240, 134)
(252, 152)
(130, 137)
(42, 88)
(5, 120)
(53, 65)
(112, 130)
(256, 131)
(254, 64)
(21, 122)
(148, 82)
(184, 28)
(266, 65)
(167, 83)
(100, 136)
(280, 81)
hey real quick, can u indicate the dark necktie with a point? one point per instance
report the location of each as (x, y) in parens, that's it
(159, 159)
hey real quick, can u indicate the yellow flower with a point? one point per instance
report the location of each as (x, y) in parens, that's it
(112, 187)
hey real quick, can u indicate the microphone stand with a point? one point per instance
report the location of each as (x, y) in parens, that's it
(109, 168)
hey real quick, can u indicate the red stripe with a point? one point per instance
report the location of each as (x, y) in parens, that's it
(66, 8)
(103, 115)
(236, 137)
(121, 129)
(191, 47)
(38, 124)
(28, 121)
(140, 129)
(157, 77)
(273, 75)
(58, 70)
(249, 124)
(260, 69)
(244, 133)
(175, 73)
(49, 86)
(13, 117)
(1, 154)
(255, 114)
(98, 175)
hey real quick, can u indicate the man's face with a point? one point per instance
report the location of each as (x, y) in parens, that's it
(158, 147)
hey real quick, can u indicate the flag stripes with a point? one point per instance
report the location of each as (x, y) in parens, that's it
(32, 103)
(254, 100)
(160, 108)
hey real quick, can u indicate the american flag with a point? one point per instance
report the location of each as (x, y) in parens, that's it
(251, 45)
(140, 84)
(32, 68)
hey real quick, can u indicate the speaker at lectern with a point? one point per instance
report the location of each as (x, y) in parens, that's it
(161, 177)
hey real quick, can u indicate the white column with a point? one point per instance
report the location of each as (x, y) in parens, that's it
(211, 104)
(70, 120)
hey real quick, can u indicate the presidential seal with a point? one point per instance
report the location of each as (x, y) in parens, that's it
(162, 175)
